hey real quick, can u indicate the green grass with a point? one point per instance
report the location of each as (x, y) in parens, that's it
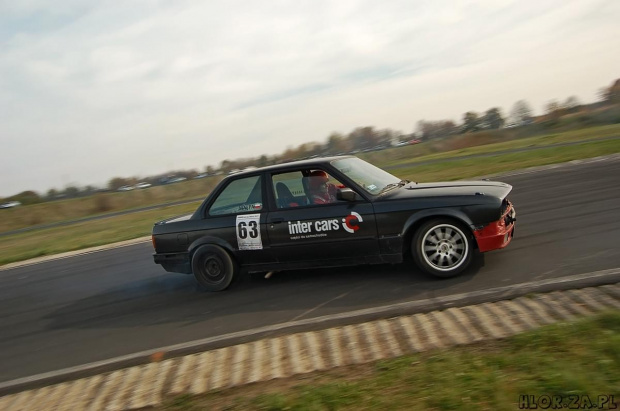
(577, 358)
(103, 203)
(532, 142)
(474, 167)
(486, 143)
(82, 235)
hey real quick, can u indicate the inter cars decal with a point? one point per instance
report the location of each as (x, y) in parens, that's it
(248, 232)
(320, 228)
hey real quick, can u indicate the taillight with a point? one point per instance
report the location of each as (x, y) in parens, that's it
(153, 241)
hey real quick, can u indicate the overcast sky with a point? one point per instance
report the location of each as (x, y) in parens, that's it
(90, 90)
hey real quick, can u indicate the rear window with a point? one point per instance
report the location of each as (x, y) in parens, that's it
(240, 196)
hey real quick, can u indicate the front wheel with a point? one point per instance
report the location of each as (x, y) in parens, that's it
(442, 248)
(213, 267)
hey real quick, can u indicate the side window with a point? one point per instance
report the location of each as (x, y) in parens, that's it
(289, 189)
(304, 187)
(240, 196)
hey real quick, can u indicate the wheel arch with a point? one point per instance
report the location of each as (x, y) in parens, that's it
(210, 240)
(414, 222)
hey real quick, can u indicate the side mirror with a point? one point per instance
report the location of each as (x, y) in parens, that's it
(346, 194)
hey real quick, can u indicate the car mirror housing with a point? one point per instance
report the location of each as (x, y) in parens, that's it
(346, 194)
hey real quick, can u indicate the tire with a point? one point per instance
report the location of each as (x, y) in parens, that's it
(442, 248)
(213, 267)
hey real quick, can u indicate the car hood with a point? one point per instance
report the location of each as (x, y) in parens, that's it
(450, 189)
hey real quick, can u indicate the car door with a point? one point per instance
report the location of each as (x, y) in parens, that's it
(238, 215)
(300, 231)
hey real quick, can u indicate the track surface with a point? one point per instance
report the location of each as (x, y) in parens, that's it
(97, 306)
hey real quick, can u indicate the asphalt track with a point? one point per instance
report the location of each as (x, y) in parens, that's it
(96, 306)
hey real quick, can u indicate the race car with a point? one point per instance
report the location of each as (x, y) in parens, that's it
(330, 212)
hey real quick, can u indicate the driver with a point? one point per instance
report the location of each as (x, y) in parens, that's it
(321, 192)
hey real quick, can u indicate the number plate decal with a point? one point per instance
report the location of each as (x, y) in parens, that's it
(248, 232)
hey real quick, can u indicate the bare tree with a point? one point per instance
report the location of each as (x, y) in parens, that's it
(432, 129)
(117, 182)
(336, 143)
(571, 103)
(471, 122)
(553, 110)
(521, 113)
(493, 119)
(52, 193)
(364, 137)
(262, 161)
(611, 94)
(72, 191)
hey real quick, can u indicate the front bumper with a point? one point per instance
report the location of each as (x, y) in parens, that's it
(497, 234)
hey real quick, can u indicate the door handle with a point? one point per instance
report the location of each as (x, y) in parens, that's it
(276, 221)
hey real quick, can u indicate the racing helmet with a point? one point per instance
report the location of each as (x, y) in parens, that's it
(316, 179)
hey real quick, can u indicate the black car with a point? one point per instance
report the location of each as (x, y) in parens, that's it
(329, 212)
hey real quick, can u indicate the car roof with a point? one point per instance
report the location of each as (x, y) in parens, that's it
(318, 161)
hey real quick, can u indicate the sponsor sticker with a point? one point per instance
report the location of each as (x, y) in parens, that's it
(250, 207)
(320, 228)
(349, 223)
(248, 232)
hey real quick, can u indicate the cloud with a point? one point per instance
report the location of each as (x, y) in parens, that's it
(138, 87)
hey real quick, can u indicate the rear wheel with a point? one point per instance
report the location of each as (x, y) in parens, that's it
(442, 248)
(213, 267)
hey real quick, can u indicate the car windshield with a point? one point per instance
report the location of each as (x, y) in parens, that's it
(372, 179)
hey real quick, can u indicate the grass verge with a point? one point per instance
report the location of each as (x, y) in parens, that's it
(84, 235)
(103, 203)
(474, 167)
(482, 143)
(579, 358)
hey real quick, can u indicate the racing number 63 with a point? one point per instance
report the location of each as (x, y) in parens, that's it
(242, 230)
(248, 232)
